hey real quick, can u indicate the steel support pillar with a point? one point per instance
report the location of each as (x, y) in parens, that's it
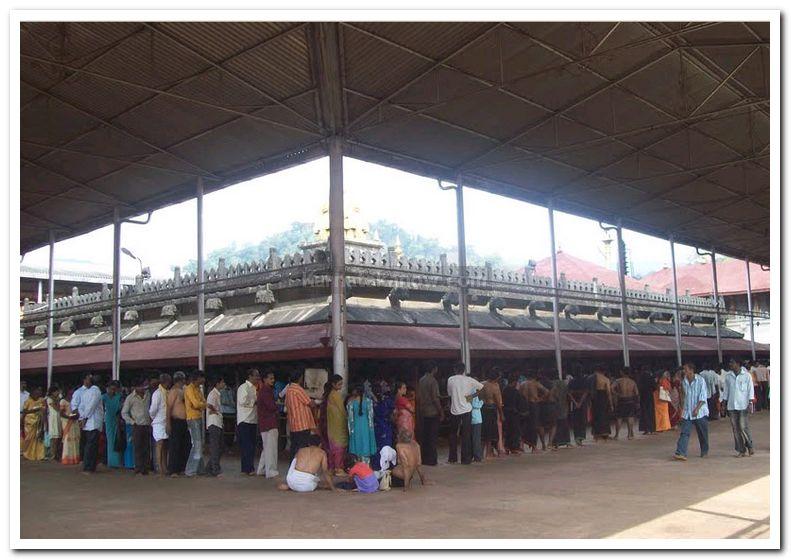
(116, 316)
(750, 308)
(716, 305)
(201, 278)
(40, 292)
(337, 256)
(676, 312)
(464, 320)
(555, 294)
(624, 309)
(50, 305)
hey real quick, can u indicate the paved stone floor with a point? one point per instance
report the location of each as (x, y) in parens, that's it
(614, 489)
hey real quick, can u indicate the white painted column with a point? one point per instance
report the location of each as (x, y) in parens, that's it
(555, 295)
(464, 320)
(337, 256)
(676, 312)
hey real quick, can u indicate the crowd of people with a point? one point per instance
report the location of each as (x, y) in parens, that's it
(383, 432)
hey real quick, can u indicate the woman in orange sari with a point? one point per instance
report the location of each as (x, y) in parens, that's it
(70, 433)
(403, 416)
(661, 412)
(33, 411)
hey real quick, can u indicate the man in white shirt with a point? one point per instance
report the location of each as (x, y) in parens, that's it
(159, 419)
(461, 389)
(738, 393)
(247, 420)
(76, 397)
(215, 427)
(91, 411)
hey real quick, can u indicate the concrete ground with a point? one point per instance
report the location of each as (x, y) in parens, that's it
(614, 489)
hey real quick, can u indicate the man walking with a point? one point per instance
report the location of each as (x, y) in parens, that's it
(737, 392)
(247, 420)
(267, 426)
(694, 411)
(195, 404)
(461, 389)
(431, 413)
(91, 411)
(159, 421)
(135, 414)
(215, 427)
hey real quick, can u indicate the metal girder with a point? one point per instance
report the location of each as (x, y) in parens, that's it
(167, 93)
(109, 48)
(576, 146)
(724, 81)
(500, 86)
(422, 74)
(707, 59)
(604, 39)
(236, 75)
(648, 102)
(325, 39)
(80, 184)
(634, 209)
(108, 158)
(50, 223)
(122, 130)
(641, 67)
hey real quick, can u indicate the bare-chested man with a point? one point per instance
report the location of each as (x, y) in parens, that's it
(307, 466)
(492, 411)
(408, 462)
(627, 399)
(601, 404)
(534, 393)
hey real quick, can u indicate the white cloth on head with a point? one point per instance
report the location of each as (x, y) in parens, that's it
(387, 458)
(299, 481)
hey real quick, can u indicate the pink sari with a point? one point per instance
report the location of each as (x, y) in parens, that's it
(404, 418)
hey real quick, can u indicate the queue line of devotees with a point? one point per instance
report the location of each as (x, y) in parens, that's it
(366, 442)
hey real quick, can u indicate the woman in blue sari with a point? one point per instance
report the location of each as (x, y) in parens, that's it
(129, 452)
(359, 416)
(112, 412)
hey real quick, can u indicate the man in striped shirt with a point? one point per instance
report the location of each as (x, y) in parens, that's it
(299, 407)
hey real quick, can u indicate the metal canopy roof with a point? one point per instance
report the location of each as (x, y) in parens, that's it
(663, 125)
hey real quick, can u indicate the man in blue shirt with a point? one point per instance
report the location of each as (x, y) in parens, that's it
(737, 392)
(694, 411)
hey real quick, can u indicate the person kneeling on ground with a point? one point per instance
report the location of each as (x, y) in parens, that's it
(361, 478)
(409, 462)
(306, 466)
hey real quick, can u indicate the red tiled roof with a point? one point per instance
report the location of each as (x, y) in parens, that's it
(581, 270)
(365, 341)
(697, 278)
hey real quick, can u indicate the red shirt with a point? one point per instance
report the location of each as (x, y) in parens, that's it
(361, 469)
(267, 409)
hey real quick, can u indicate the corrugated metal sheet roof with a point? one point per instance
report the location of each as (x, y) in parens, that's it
(646, 122)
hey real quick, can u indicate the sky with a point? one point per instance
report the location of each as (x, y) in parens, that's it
(247, 212)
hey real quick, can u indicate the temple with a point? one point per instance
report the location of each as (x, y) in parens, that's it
(398, 308)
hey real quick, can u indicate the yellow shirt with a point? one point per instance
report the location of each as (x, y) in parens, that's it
(194, 402)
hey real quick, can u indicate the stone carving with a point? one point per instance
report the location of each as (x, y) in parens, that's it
(213, 304)
(170, 311)
(265, 295)
(131, 316)
(40, 330)
(449, 300)
(97, 321)
(67, 326)
(396, 295)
